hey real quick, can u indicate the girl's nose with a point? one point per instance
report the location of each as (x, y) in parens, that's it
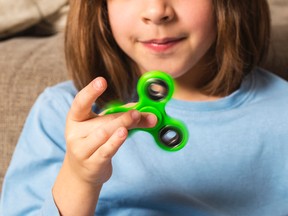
(158, 12)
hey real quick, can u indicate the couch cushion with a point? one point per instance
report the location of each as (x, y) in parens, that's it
(279, 12)
(28, 65)
(277, 61)
(18, 15)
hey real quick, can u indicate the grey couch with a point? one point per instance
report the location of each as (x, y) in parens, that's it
(29, 64)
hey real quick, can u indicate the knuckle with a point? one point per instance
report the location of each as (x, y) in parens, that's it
(105, 154)
(110, 148)
(70, 137)
(75, 153)
(74, 147)
(102, 134)
(78, 102)
(126, 120)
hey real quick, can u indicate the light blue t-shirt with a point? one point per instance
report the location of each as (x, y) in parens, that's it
(235, 162)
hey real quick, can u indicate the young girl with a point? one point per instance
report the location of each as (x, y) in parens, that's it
(235, 161)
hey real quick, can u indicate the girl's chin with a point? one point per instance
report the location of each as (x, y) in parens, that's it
(173, 72)
(176, 74)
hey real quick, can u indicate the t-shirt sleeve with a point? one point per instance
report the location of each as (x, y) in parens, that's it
(27, 187)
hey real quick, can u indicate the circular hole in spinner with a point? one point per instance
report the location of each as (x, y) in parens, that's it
(170, 136)
(157, 89)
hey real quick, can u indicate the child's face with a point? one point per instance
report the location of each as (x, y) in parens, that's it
(168, 35)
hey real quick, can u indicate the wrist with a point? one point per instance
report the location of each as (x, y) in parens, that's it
(70, 192)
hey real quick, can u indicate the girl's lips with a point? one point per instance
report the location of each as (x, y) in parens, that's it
(161, 45)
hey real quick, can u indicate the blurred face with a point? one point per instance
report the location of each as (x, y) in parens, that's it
(167, 35)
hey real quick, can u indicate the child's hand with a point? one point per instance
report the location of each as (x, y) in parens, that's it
(92, 141)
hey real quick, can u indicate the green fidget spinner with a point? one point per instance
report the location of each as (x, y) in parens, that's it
(155, 89)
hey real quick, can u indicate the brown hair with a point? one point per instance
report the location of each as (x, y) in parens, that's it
(243, 33)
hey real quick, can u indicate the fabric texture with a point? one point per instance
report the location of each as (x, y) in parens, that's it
(18, 15)
(28, 65)
(235, 162)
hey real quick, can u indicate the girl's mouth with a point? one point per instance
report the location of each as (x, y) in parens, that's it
(161, 45)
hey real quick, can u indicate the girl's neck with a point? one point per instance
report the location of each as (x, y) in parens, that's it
(190, 94)
(188, 86)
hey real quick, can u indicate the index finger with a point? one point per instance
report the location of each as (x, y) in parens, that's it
(81, 108)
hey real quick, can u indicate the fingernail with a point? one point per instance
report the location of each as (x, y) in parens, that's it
(152, 119)
(135, 114)
(98, 84)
